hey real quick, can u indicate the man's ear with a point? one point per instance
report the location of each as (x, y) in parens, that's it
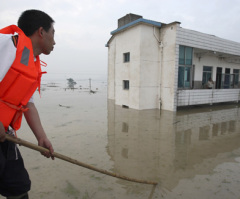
(40, 31)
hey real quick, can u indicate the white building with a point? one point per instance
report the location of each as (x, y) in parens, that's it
(152, 65)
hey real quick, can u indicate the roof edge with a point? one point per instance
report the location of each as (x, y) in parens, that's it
(141, 20)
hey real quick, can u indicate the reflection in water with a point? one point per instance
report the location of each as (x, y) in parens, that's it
(169, 146)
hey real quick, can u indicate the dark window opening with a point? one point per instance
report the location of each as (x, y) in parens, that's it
(126, 57)
(126, 84)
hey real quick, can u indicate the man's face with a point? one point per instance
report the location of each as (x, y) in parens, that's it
(48, 40)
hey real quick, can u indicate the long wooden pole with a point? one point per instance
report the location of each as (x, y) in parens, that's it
(73, 161)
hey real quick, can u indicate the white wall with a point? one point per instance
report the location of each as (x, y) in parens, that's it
(168, 72)
(142, 71)
(127, 41)
(149, 68)
(111, 69)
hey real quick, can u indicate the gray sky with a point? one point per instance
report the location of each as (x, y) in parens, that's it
(83, 26)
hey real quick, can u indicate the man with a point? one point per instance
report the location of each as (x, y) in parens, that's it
(20, 75)
(210, 83)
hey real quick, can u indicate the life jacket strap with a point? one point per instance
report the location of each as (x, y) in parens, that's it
(18, 108)
(19, 111)
(42, 63)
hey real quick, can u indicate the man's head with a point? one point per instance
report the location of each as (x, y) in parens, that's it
(39, 27)
(31, 20)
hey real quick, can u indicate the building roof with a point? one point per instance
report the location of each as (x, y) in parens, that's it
(141, 20)
(133, 23)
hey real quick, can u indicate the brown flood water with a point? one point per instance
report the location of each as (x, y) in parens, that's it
(194, 153)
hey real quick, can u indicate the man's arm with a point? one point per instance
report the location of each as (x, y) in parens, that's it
(34, 122)
(2, 132)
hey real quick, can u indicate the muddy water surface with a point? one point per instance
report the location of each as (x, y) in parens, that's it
(194, 153)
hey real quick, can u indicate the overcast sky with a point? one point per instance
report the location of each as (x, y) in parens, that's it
(83, 26)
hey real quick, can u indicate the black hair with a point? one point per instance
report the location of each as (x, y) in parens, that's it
(32, 20)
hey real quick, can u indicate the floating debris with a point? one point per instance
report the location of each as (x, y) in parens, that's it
(64, 106)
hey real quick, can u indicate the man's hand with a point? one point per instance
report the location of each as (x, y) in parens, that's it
(46, 144)
(2, 133)
(34, 123)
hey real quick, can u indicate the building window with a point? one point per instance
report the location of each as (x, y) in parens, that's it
(124, 127)
(228, 78)
(227, 81)
(126, 84)
(236, 77)
(185, 67)
(207, 73)
(126, 57)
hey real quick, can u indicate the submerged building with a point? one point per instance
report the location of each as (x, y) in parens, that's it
(152, 65)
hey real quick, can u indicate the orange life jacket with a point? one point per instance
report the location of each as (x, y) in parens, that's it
(20, 82)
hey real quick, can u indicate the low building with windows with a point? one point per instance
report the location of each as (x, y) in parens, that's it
(152, 65)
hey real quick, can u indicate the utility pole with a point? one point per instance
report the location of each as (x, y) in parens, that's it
(90, 84)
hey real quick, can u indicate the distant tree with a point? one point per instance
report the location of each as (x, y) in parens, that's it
(71, 83)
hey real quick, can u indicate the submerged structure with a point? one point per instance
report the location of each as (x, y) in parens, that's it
(152, 65)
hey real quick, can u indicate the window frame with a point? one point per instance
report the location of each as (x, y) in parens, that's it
(126, 84)
(185, 67)
(126, 57)
(206, 74)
